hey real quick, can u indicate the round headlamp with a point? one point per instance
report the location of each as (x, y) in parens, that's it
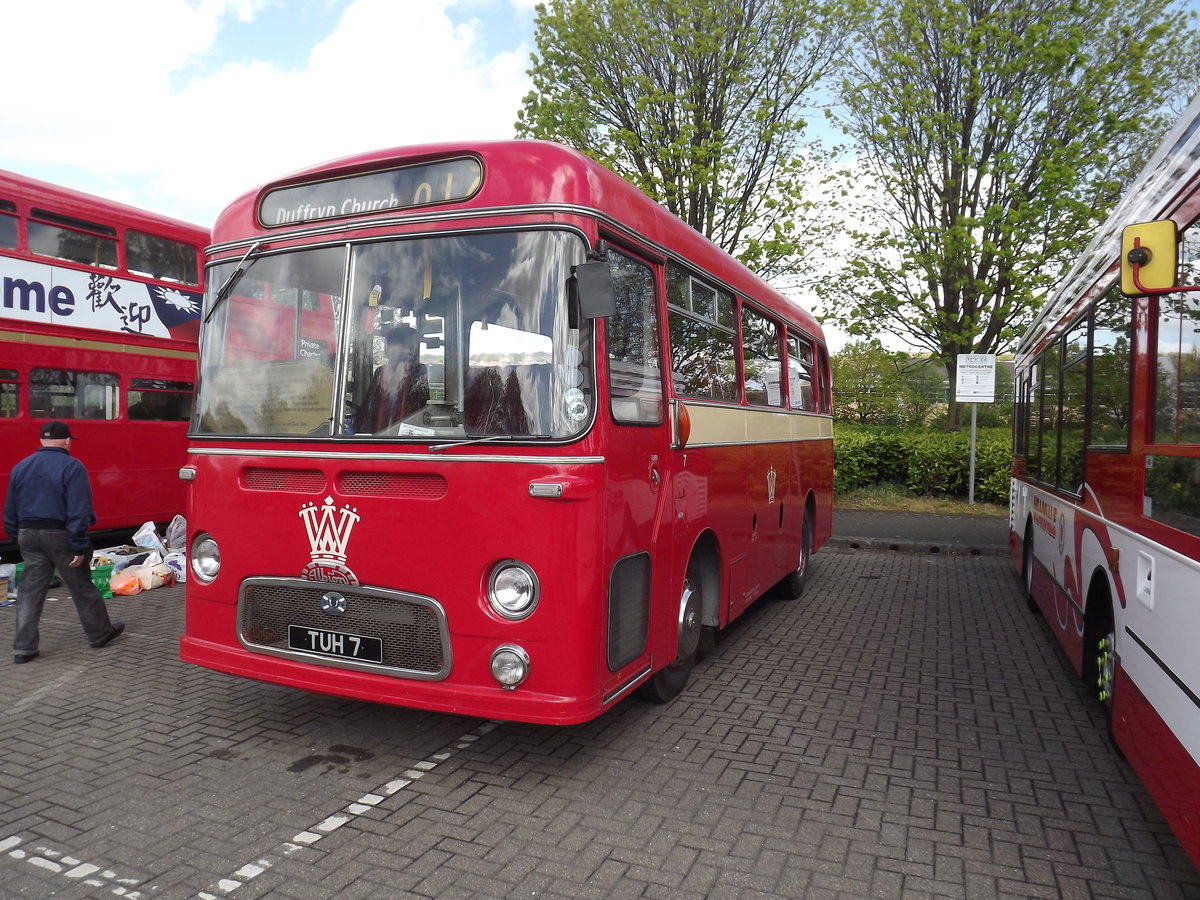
(510, 666)
(513, 589)
(205, 558)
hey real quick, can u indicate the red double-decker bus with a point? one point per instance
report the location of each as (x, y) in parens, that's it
(1105, 506)
(482, 429)
(99, 316)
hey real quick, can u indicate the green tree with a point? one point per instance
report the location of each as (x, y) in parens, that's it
(998, 133)
(697, 102)
(868, 383)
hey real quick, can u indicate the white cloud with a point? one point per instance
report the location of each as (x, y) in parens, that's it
(108, 99)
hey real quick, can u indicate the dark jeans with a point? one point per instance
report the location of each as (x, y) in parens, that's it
(44, 551)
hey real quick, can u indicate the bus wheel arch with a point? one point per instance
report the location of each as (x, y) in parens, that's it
(1099, 663)
(698, 614)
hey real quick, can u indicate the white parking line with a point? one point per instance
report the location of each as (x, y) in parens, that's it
(68, 867)
(311, 835)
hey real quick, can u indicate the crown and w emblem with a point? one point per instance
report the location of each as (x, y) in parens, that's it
(328, 535)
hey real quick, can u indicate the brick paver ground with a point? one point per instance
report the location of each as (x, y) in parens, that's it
(907, 729)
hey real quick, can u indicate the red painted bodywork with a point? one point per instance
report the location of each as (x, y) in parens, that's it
(133, 465)
(628, 489)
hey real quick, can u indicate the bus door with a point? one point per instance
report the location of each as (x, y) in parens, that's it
(637, 524)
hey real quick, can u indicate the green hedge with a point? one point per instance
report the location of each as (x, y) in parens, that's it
(930, 463)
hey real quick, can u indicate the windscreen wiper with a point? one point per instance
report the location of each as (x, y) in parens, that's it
(234, 276)
(485, 439)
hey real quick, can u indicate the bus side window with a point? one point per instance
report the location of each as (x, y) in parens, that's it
(760, 359)
(703, 338)
(8, 224)
(10, 396)
(800, 374)
(63, 237)
(64, 394)
(162, 258)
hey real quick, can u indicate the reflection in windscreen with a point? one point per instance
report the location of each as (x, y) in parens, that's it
(457, 337)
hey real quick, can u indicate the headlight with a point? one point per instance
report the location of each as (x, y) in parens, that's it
(513, 589)
(510, 666)
(206, 558)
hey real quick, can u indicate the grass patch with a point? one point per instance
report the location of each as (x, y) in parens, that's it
(894, 497)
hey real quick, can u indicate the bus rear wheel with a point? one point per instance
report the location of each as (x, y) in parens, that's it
(792, 585)
(668, 682)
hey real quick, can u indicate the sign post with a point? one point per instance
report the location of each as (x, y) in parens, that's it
(975, 382)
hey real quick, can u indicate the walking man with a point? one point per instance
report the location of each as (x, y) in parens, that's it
(49, 509)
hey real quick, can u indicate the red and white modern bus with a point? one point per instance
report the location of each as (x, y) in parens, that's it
(99, 315)
(1105, 506)
(604, 438)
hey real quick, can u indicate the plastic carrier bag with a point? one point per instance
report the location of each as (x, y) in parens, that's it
(147, 537)
(125, 583)
(176, 534)
(151, 576)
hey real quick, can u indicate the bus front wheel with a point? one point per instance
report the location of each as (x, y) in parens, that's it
(667, 683)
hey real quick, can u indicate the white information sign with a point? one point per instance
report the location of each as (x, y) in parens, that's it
(976, 378)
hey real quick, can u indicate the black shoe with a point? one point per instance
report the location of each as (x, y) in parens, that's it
(117, 628)
(24, 659)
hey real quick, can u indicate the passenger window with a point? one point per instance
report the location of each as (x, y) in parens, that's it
(703, 338)
(760, 359)
(8, 224)
(1111, 371)
(65, 237)
(10, 396)
(64, 394)
(161, 258)
(1177, 369)
(800, 374)
(159, 400)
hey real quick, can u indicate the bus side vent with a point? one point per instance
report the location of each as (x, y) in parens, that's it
(257, 478)
(413, 485)
(628, 609)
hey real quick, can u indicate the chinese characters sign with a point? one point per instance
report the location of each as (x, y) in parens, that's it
(56, 295)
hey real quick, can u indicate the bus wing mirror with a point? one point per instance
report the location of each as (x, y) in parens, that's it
(1149, 258)
(592, 287)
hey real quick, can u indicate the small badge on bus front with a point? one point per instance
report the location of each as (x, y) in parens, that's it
(333, 603)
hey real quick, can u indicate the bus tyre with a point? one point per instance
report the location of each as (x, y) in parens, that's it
(1100, 654)
(667, 683)
(792, 585)
(1027, 568)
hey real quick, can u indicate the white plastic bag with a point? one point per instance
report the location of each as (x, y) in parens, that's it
(176, 536)
(147, 537)
(177, 560)
(152, 576)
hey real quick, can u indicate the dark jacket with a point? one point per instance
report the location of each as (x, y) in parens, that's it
(50, 489)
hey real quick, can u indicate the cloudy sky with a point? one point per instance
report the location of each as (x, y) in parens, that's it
(179, 106)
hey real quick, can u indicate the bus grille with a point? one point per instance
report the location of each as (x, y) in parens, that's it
(416, 641)
(258, 478)
(413, 485)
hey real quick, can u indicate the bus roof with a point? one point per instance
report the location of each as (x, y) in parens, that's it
(523, 176)
(36, 193)
(1158, 192)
